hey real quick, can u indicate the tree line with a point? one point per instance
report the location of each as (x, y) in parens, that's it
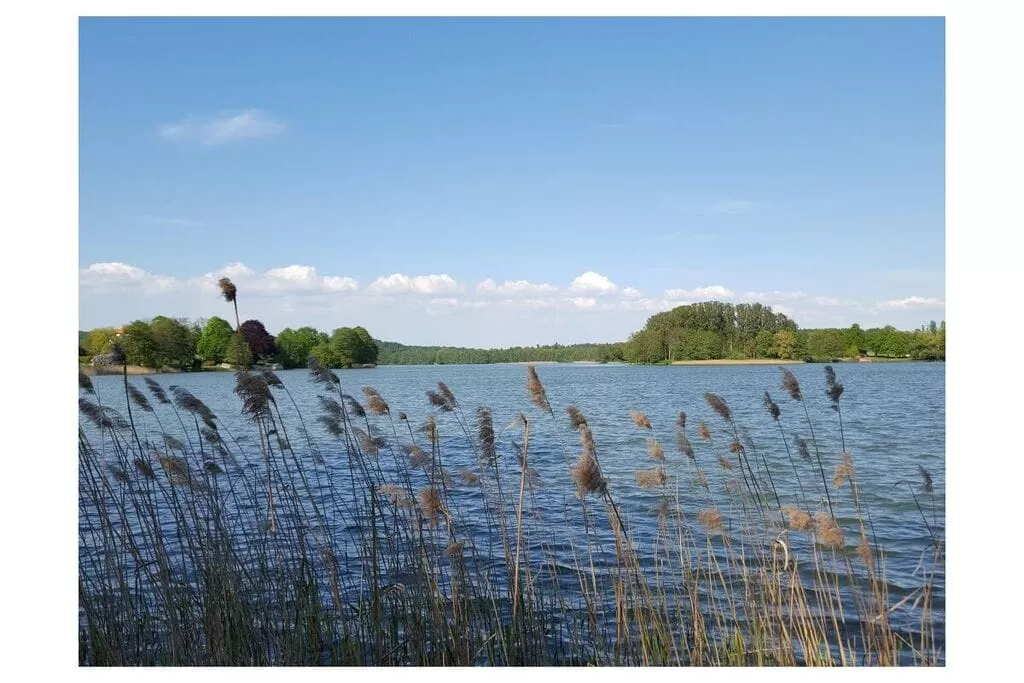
(189, 345)
(702, 331)
(717, 330)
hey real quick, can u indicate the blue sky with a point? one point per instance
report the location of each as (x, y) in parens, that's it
(496, 182)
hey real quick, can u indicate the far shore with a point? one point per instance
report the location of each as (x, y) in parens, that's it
(738, 361)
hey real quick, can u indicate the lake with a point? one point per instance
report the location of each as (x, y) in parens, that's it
(893, 424)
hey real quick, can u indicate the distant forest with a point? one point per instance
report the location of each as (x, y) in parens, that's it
(703, 331)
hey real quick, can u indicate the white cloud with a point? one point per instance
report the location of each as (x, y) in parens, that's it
(701, 293)
(294, 279)
(247, 124)
(334, 283)
(399, 283)
(445, 302)
(631, 292)
(514, 288)
(910, 302)
(583, 302)
(121, 277)
(593, 282)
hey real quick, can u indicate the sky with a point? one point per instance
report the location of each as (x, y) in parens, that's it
(502, 182)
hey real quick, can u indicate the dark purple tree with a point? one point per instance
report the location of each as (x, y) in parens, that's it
(260, 342)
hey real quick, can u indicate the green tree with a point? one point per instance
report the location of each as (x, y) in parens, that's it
(294, 346)
(214, 340)
(98, 341)
(139, 347)
(764, 345)
(366, 351)
(173, 343)
(344, 343)
(826, 344)
(784, 344)
(238, 352)
(326, 355)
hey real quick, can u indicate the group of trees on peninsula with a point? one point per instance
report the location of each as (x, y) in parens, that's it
(714, 330)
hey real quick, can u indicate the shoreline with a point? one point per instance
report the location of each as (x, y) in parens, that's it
(739, 361)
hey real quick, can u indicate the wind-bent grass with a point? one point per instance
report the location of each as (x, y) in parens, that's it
(369, 546)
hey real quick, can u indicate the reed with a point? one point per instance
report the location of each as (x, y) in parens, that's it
(342, 546)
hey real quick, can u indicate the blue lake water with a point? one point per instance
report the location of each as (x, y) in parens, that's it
(893, 424)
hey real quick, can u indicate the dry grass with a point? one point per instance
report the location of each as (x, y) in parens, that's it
(288, 545)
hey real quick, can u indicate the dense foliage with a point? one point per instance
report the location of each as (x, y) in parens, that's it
(708, 330)
(393, 353)
(184, 345)
(713, 330)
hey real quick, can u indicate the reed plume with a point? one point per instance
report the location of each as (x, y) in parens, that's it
(587, 475)
(157, 390)
(227, 289)
(827, 531)
(771, 406)
(354, 407)
(651, 479)
(791, 385)
(724, 463)
(469, 476)
(681, 421)
(271, 378)
(844, 471)
(332, 407)
(448, 395)
(711, 519)
(703, 431)
(172, 443)
(430, 428)
(640, 419)
(255, 394)
(417, 456)
(230, 293)
(926, 478)
(319, 374)
(331, 424)
(430, 504)
(536, 390)
(798, 519)
(396, 494)
(402, 416)
(736, 448)
(719, 406)
(576, 418)
(375, 403)
(94, 414)
(438, 401)
(84, 383)
(190, 404)
(835, 389)
(684, 445)
(144, 468)
(485, 431)
(139, 399)
(654, 450)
